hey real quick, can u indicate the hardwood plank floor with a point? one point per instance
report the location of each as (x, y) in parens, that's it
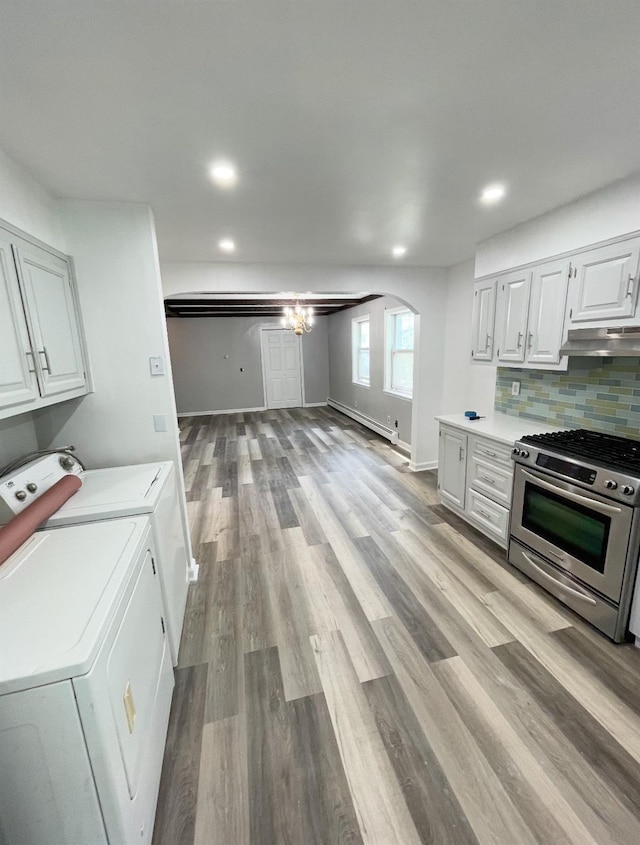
(360, 666)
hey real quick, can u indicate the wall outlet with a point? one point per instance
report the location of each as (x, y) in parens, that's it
(156, 366)
(515, 388)
(388, 419)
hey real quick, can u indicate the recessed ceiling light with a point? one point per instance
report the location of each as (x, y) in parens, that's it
(492, 193)
(227, 245)
(224, 174)
(399, 251)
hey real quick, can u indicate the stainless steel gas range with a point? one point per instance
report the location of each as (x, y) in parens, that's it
(575, 521)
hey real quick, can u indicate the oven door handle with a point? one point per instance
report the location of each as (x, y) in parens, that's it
(581, 500)
(559, 584)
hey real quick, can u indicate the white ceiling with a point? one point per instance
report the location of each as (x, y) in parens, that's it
(355, 124)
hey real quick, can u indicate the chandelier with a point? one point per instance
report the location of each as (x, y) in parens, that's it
(298, 318)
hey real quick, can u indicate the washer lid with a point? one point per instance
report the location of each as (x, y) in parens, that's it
(58, 595)
(113, 492)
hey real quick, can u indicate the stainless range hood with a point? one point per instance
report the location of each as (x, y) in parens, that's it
(603, 343)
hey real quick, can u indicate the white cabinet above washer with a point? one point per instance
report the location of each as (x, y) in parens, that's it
(42, 357)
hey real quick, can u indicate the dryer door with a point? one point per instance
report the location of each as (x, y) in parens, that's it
(124, 705)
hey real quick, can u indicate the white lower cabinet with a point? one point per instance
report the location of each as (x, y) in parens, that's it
(475, 475)
(452, 472)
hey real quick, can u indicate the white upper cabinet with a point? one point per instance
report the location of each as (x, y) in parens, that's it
(41, 346)
(484, 312)
(18, 383)
(512, 313)
(546, 312)
(606, 283)
(52, 319)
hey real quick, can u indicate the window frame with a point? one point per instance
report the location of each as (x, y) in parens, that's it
(355, 349)
(389, 351)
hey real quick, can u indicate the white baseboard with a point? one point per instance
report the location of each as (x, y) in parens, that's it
(193, 570)
(314, 405)
(402, 446)
(420, 467)
(217, 413)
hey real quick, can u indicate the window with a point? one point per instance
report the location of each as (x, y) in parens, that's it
(399, 352)
(360, 350)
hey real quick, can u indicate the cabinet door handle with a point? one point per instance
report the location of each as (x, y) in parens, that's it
(519, 343)
(631, 285)
(530, 343)
(32, 361)
(461, 455)
(485, 514)
(487, 452)
(487, 480)
(486, 346)
(47, 365)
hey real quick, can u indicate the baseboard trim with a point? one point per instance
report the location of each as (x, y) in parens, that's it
(420, 467)
(193, 570)
(315, 405)
(217, 413)
(388, 433)
(402, 446)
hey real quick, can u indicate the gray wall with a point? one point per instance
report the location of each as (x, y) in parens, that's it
(17, 437)
(372, 401)
(207, 381)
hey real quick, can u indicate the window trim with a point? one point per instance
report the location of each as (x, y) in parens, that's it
(389, 326)
(363, 318)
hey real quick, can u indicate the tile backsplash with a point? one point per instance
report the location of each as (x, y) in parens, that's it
(597, 393)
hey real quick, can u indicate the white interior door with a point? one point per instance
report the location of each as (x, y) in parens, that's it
(282, 368)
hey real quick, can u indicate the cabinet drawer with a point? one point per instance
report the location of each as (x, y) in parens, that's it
(493, 518)
(491, 452)
(495, 482)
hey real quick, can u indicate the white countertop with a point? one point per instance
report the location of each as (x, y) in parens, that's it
(504, 428)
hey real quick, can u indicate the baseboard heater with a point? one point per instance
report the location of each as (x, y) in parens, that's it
(391, 434)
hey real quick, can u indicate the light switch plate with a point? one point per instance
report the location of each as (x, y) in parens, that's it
(515, 388)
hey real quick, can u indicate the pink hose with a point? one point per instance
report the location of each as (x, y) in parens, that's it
(22, 526)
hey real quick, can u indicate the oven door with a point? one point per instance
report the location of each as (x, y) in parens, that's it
(580, 531)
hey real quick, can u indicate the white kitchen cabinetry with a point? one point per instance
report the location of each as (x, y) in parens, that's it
(484, 313)
(18, 383)
(452, 471)
(475, 468)
(546, 312)
(536, 305)
(41, 350)
(606, 283)
(475, 475)
(512, 314)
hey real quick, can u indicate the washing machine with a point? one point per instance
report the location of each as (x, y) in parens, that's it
(114, 493)
(85, 686)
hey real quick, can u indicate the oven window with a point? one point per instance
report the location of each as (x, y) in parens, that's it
(576, 529)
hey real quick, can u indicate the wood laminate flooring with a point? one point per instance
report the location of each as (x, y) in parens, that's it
(360, 666)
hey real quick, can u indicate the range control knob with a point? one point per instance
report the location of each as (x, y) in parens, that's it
(515, 450)
(627, 489)
(32, 487)
(67, 462)
(611, 484)
(21, 495)
(524, 453)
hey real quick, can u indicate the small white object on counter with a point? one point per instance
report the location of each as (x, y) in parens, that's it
(504, 428)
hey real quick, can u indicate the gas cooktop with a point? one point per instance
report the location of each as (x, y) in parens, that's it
(604, 450)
